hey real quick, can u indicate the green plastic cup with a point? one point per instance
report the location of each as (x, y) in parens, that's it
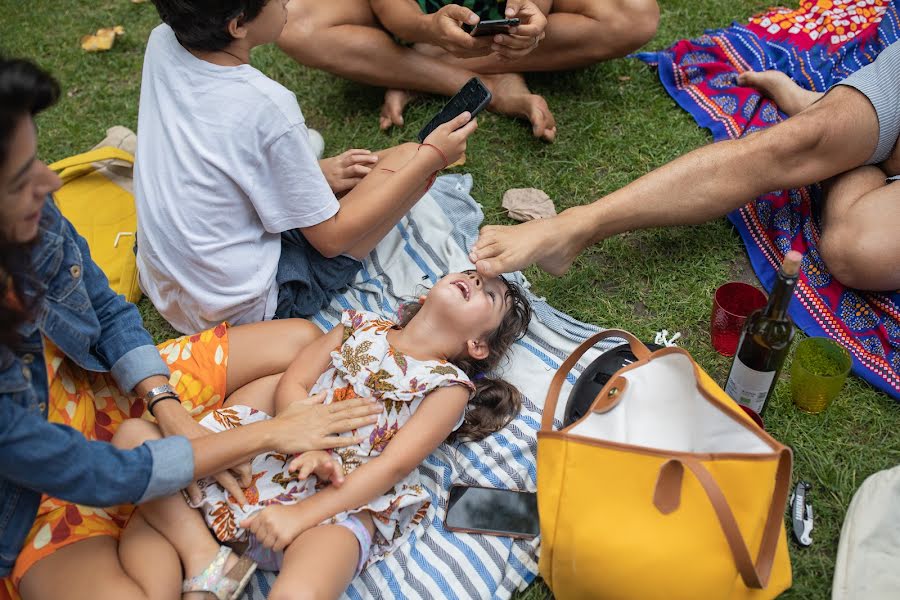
(818, 373)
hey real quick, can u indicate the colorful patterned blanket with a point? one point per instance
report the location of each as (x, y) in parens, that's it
(817, 44)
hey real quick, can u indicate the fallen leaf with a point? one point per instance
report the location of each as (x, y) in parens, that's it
(102, 40)
(624, 78)
(73, 92)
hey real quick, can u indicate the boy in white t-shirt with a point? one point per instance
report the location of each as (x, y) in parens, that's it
(232, 202)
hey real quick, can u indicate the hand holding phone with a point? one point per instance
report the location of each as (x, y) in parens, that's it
(472, 98)
(446, 30)
(490, 511)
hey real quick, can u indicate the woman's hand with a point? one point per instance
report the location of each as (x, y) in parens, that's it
(344, 171)
(173, 419)
(450, 138)
(276, 526)
(445, 29)
(310, 425)
(319, 463)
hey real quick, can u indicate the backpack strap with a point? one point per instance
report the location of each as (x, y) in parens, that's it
(98, 155)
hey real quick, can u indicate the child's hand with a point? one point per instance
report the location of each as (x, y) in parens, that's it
(344, 171)
(319, 463)
(275, 526)
(450, 138)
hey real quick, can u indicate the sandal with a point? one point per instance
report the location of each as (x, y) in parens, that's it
(222, 585)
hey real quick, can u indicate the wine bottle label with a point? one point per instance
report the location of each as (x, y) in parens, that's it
(748, 386)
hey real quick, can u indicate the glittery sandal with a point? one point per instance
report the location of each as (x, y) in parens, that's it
(214, 580)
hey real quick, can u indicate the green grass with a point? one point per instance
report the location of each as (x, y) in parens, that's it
(616, 123)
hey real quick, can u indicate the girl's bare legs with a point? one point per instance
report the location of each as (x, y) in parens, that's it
(320, 563)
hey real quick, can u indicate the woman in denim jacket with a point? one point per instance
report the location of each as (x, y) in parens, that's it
(56, 303)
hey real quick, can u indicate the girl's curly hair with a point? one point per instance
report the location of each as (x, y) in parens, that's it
(495, 402)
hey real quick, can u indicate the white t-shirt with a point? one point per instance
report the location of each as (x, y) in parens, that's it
(223, 166)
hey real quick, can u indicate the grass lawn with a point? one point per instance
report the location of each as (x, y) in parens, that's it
(615, 123)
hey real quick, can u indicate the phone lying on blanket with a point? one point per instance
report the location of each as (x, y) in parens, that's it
(490, 27)
(491, 511)
(473, 97)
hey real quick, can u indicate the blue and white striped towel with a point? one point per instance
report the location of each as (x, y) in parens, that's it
(432, 240)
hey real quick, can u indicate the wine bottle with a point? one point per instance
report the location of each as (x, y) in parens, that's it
(765, 341)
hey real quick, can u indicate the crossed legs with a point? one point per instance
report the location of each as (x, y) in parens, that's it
(862, 211)
(344, 37)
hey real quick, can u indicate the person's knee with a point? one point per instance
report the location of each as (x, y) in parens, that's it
(635, 23)
(849, 256)
(298, 333)
(134, 432)
(643, 16)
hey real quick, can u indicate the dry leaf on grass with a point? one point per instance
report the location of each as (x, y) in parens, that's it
(525, 204)
(102, 40)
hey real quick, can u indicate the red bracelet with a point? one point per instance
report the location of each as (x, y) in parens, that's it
(439, 151)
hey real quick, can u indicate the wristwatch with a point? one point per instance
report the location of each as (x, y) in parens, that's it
(159, 393)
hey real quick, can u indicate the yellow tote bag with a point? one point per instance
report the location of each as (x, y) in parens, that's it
(664, 490)
(93, 198)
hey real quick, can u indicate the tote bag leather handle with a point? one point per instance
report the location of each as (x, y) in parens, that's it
(92, 156)
(637, 348)
(755, 574)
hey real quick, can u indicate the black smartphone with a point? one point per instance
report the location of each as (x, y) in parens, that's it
(509, 513)
(490, 27)
(473, 97)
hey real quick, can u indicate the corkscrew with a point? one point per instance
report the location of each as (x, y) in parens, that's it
(802, 514)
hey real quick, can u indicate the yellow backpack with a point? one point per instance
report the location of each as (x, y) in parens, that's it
(96, 197)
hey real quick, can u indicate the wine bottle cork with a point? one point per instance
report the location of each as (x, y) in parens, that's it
(791, 264)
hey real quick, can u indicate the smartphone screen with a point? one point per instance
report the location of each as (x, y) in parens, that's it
(492, 511)
(473, 97)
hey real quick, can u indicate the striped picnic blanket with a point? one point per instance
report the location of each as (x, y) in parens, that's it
(432, 240)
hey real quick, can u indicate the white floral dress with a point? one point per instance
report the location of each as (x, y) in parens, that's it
(365, 365)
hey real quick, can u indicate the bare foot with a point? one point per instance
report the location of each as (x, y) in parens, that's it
(512, 97)
(392, 109)
(790, 97)
(552, 244)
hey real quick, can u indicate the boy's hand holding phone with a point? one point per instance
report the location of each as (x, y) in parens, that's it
(450, 138)
(446, 30)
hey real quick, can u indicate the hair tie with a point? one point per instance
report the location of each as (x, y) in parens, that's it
(478, 376)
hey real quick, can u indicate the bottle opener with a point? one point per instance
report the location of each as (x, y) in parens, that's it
(802, 514)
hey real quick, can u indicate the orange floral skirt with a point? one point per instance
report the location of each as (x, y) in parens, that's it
(93, 404)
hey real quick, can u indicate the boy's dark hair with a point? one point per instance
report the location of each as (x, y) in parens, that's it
(495, 402)
(25, 90)
(203, 24)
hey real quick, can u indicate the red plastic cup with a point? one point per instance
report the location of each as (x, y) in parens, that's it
(732, 304)
(753, 415)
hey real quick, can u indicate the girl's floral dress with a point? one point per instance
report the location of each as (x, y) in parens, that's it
(365, 365)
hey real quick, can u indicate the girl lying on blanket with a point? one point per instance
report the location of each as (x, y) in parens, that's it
(321, 517)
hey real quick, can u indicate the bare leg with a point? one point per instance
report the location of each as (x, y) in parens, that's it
(859, 241)
(258, 394)
(832, 136)
(141, 566)
(319, 564)
(781, 89)
(580, 33)
(181, 525)
(344, 38)
(260, 349)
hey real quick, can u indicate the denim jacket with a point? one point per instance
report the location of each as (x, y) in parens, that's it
(99, 331)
